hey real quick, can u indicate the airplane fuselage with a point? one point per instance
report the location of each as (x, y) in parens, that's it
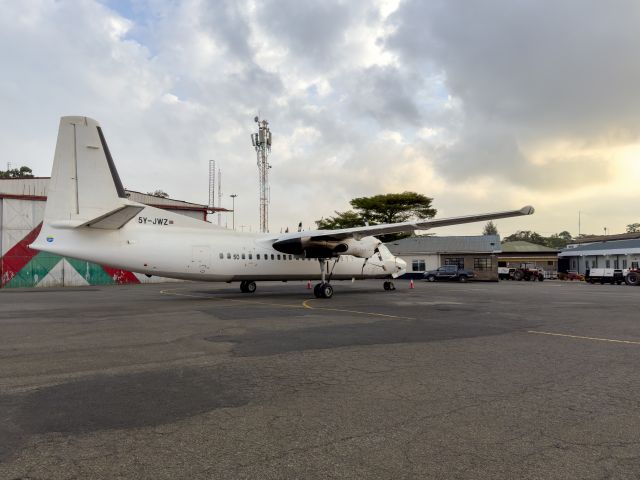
(160, 243)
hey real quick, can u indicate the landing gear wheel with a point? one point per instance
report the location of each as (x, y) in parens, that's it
(323, 290)
(327, 290)
(388, 285)
(243, 286)
(250, 287)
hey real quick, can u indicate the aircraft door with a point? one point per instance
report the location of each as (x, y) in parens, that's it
(201, 258)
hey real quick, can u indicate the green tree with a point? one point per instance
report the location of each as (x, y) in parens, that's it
(346, 219)
(159, 193)
(22, 172)
(633, 228)
(526, 236)
(394, 207)
(387, 208)
(557, 240)
(490, 229)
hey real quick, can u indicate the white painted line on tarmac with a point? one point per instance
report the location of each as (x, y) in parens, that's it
(580, 337)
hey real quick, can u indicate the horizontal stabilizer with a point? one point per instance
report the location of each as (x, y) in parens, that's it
(115, 219)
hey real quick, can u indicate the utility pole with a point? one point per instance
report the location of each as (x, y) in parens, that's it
(233, 210)
(262, 143)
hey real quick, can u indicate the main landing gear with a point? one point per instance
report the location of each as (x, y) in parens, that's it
(247, 286)
(324, 288)
(388, 285)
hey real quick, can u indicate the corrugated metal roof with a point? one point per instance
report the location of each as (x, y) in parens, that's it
(520, 246)
(39, 186)
(605, 238)
(617, 247)
(160, 201)
(431, 244)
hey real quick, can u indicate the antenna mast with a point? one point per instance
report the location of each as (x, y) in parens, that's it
(219, 196)
(212, 184)
(262, 143)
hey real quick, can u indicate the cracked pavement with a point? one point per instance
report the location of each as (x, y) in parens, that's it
(199, 381)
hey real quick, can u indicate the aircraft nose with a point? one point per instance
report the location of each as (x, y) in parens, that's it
(401, 264)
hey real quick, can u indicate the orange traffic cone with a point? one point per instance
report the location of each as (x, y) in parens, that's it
(309, 285)
(411, 284)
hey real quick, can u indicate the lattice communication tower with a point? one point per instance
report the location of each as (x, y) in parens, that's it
(262, 143)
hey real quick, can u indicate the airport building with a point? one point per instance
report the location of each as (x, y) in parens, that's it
(515, 253)
(22, 202)
(424, 253)
(598, 253)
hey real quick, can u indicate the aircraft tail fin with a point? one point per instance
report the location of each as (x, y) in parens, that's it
(85, 187)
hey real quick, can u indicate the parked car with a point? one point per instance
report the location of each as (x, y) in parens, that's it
(449, 272)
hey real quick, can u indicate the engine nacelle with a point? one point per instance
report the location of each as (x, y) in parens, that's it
(363, 248)
(312, 248)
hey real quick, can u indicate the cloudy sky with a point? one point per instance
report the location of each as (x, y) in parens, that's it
(482, 105)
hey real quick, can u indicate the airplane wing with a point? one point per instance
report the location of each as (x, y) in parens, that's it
(299, 242)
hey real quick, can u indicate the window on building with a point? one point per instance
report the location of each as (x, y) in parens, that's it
(222, 255)
(550, 263)
(459, 262)
(607, 263)
(616, 263)
(586, 264)
(624, 263)
(482, 264)
(573, 265)
(417, 265)
(634, 264)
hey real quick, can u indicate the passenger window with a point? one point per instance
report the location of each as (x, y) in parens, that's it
(273, 256)
(222, 255)
(257, 256)
(290, 257)
(278, 256)
(229, 256)
(243, 257)
(236, 256)
(250, 256)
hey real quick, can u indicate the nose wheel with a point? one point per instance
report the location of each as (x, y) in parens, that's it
(388, 285)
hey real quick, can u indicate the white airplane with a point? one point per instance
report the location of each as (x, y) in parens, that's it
(88, 216)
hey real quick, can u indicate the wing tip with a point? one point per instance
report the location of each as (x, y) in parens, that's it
(527, 210)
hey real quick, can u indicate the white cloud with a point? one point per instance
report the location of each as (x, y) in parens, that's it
(363, 98)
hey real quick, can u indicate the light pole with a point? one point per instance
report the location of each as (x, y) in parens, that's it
(233, 210)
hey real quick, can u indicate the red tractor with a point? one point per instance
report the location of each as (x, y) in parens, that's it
(528, 272)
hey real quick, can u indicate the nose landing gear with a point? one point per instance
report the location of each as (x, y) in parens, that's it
(388, 285)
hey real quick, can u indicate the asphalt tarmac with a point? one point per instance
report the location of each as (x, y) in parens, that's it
(187, 380)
